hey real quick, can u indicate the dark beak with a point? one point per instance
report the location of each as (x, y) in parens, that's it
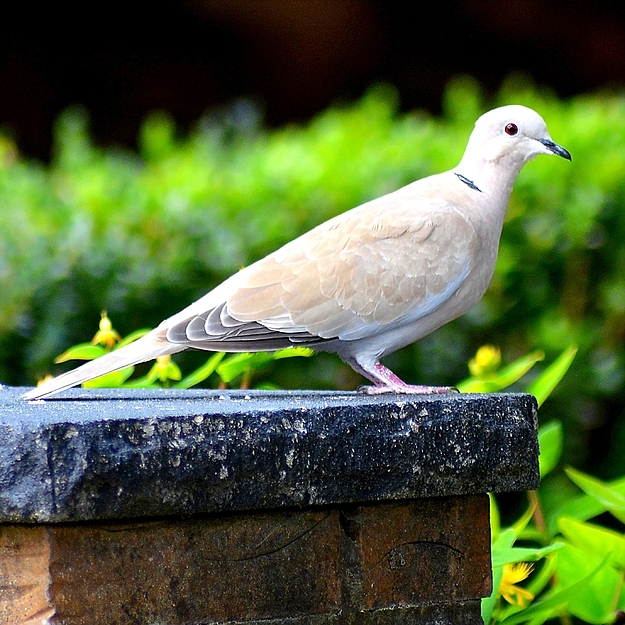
(555, 148)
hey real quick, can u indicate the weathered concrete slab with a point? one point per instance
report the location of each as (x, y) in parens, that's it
(103, 454)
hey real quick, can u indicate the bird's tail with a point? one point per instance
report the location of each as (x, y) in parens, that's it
(146, 348)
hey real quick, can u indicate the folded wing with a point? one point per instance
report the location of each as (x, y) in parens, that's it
(350, 278)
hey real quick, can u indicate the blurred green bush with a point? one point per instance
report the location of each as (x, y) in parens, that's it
(142, 235)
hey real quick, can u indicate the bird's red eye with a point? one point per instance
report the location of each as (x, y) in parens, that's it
(511, 129)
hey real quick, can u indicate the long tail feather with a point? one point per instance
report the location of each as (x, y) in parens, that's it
(146, 348)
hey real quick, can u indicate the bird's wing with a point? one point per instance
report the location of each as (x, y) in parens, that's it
(375, 266)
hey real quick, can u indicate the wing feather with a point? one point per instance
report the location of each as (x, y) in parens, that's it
(381, 264)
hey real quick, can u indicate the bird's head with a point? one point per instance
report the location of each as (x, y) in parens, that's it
(508, 137)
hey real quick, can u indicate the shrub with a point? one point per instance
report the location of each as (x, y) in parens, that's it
(142, 235)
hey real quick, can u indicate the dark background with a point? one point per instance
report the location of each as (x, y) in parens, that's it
(291, 57)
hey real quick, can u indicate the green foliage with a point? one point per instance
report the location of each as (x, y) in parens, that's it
(237, 368)
(580, 566)
(144, 234)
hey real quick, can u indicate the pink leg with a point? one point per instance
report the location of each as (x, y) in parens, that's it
(387, 382)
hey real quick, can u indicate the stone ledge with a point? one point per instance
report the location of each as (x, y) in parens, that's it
(104, 454)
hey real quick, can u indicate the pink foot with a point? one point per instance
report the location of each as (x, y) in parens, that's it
(386, 381)
(407, 389)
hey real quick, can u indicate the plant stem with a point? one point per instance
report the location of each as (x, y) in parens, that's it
(539, 517)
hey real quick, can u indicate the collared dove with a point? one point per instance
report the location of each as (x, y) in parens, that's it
(369, 281)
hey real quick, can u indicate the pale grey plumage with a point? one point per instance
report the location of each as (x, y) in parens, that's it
(369, 281)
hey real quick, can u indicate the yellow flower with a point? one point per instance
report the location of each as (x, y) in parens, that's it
(45, 379)
(165, 369)
(512, 575)
(486, 361)
(106, 335)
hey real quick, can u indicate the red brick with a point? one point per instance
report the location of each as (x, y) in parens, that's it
(24, 575)
(247, 567)
(424, 551)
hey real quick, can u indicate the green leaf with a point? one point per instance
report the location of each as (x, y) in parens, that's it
(505, 540)
(583, 507)
(550, 442)
(611, 499)
(495, 517)
(240, 364)
(507, 376)
(291, 352)
(489, 603)
(132, 337)
(523, 554)
(267, 386)
(503, 551)
(544, 384)
(543, 577)
(201, 373)
(595, 539)
(115, 379)
(593, 603)
(144, 382)
(479, 385)
(83, 351)
(245, 363)
(234, 366)
(88, 351)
